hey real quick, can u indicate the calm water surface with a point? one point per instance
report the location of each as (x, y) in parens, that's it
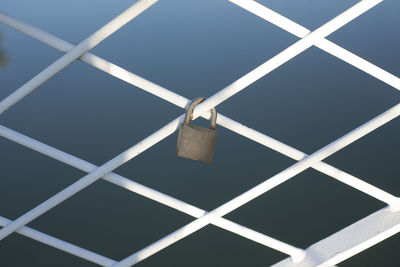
(196, 48)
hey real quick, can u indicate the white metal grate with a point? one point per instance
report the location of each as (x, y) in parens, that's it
(329, 251)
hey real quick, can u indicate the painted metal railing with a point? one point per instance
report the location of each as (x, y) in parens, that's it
(327, 252)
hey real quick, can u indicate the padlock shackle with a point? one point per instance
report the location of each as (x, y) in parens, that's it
(189, 113)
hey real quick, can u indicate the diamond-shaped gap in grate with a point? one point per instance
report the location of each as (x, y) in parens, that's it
(308, 13)
(37, 174)
(96, 220)
(178, 51)
(374, 30)
(32, 172)
(375, 158)
(18, 59)
(331, 204)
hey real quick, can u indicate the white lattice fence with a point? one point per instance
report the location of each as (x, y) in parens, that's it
(329, 251)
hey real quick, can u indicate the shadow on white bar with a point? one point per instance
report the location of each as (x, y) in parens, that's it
(349, 241)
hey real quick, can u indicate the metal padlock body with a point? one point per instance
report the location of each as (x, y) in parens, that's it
(195, 142)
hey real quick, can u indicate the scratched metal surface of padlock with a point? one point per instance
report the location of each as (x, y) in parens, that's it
(195, 142)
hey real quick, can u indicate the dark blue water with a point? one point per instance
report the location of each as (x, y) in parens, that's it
(196, 48)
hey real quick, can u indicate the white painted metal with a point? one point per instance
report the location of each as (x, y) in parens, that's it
(327, 252)
(149, 193)
(168, 129)
(60, 244)
(181, 101)
(93, 40)
(263, 187)
(349, 241)
(322, 43)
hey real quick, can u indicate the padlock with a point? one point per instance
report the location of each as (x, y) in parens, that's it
(195, 142)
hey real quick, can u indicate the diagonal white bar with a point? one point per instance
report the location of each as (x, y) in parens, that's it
(324, 44)
(76, 52)
(150, 193)
(181, 101)
(349, 241)
(62, 245)
(263, 187)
